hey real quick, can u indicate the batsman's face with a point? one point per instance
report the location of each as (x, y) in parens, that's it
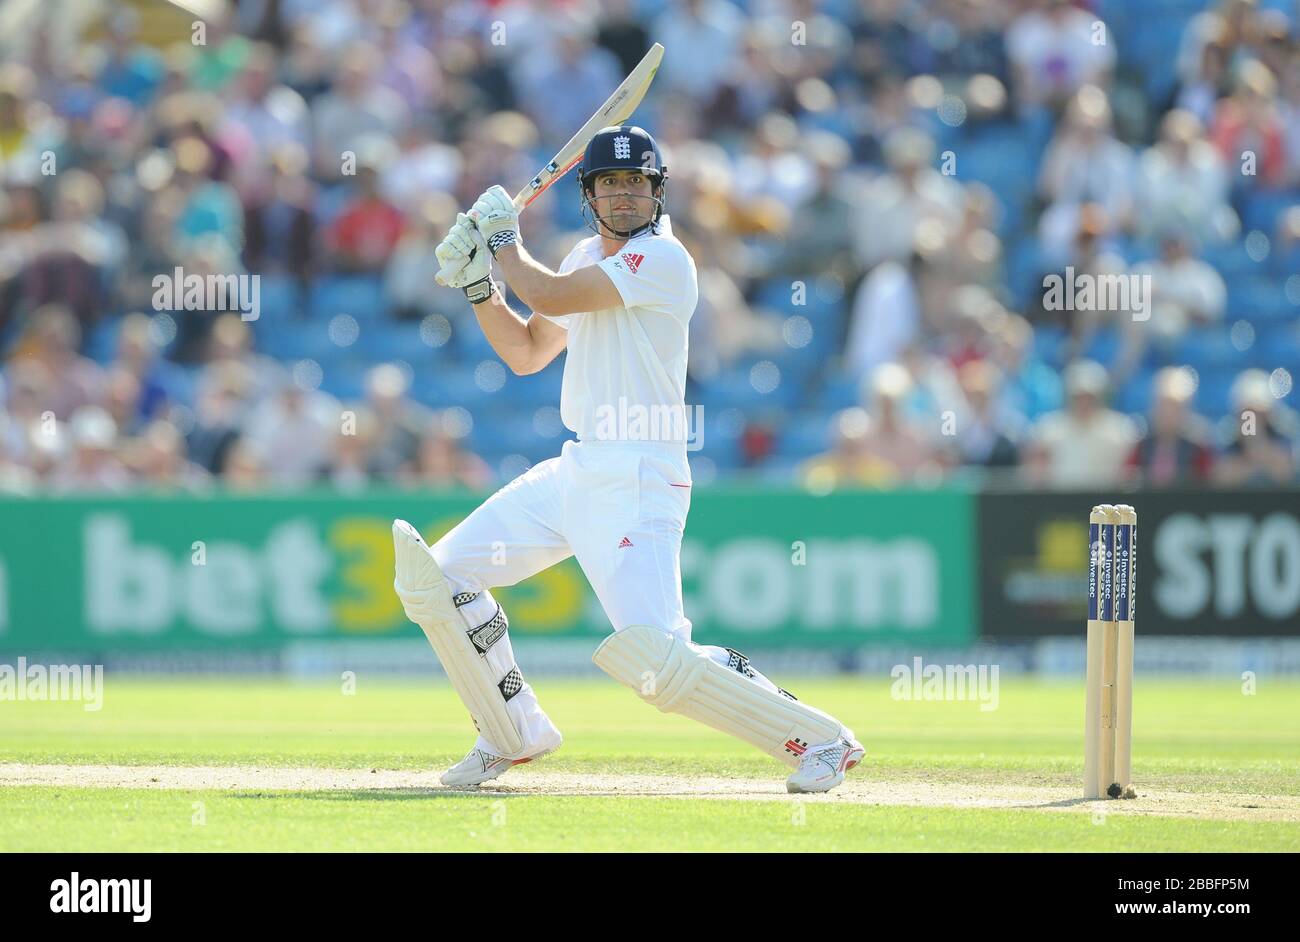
(623, 199)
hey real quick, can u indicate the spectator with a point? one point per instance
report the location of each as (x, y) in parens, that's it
(52, 339)
(886, 316)
(1176, 448)
(349, 464)
(1249, 122)
(890, 437)
(1185, 292)
(1094, 258)
(207, 209)
(292, 432)
(92, 464)
(895, 204)
(131, 70)
(983, 436)
(1183, 184)
(1261, 436)
(397, 423)
(1086, 165)
(1086, 444)
(137, 354)
(29, 415)
(15, 478)
(157, 458)
(1054, 52)
(412, 266)
(231, 342)
(356, 107)
(1031, 387)
(725, 327)
(245, 468)
(220, 407)
(699, 38)
(267, 115)
(365, 234)
(443, 461)
(849, 463)
(280, 218)
(817, 242)
(561, 87)
(121, 400)
(424, 168)
(1230, 27)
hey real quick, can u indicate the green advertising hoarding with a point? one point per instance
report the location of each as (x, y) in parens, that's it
(760, 568)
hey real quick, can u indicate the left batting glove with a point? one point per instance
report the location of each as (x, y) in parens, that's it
(496, 217)
(465, 261)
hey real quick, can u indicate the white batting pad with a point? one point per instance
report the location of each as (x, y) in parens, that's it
(428, 602)
(679, 677)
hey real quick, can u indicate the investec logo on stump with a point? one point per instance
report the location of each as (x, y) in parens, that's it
(102, 896)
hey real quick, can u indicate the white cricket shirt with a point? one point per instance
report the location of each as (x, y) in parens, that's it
(625, 372)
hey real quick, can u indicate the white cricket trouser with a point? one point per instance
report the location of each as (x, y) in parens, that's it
(619, 507)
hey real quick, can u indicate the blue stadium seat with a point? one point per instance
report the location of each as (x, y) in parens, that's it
(1258, 299)
(1262, 208)
(361, 296)
(1210, 347)
(533, 391)
(1049, 342)
(383, 341)
(839, 392)
(452, 384)
(1278, 345)
(282, 299)
(344, 379)
(1231, 260)
(821, 300)
(1212, 394)
(100, 342)
(1134, 396)
(1104, 346)
(804, 435)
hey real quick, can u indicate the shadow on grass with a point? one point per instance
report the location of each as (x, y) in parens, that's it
(399, 793)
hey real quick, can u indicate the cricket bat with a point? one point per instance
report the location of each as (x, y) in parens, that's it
(616, 109)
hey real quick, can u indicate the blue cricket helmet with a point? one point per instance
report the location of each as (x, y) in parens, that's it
(622, 147)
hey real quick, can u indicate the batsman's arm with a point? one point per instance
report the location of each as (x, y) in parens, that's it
(526, 345)
(584, 289)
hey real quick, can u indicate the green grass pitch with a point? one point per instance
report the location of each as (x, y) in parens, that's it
(1216, 769)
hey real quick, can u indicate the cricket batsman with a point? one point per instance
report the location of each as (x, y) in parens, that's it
(617, 498)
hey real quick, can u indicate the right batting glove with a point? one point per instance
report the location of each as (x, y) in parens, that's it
(465, 260)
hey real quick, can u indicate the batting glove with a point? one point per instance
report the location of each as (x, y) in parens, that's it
(465, 261)
(496, 217)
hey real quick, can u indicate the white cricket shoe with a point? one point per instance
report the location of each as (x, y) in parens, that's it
(823, 767)
(479, 767)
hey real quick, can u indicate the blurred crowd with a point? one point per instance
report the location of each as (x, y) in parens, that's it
(809, 143)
